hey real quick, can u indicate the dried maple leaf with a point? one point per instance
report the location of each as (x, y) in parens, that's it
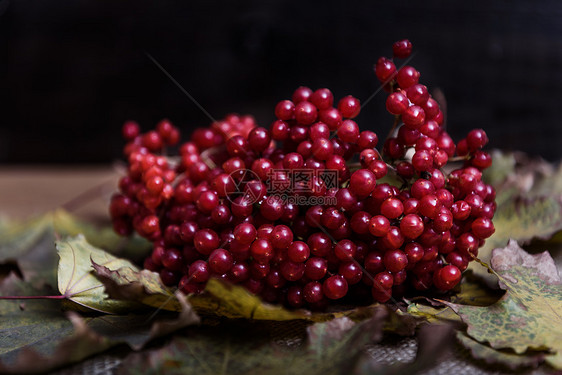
(528, 316)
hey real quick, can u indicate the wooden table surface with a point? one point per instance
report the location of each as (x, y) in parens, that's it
(29, 190)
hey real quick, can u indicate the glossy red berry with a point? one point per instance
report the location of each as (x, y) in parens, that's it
(298, 252)
(220, 261)
(482, 227)
(301, 94)
(305, 113)
(349, 107)
(402, 48)
(316, 268)
(397, 103)
(392, 208)
(413, 117)
(407, 76)
(205, 241)
(285, 110)
(385, 69)
(335, 287)
(130, 130)
(322, 98)
(362, 182)
(411, 226)
(476, 139)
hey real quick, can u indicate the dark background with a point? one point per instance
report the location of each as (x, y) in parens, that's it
(72, 71)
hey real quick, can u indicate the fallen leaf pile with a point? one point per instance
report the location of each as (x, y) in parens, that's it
(91, 296)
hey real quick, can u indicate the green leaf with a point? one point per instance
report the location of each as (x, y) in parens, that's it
(502, 357)
(223, 299)
(232, 301)
(502, 167)
(76, 278)
(246, 347)
(18, 237)
(528, 316)
(220, 299)
(37, 336)
(29, 244)
(471, 291)
(143, 286)
(529, 198)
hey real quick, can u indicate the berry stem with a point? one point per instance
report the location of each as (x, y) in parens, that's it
(208, 152)
(458, 158)
(394, 125)
(31, 297)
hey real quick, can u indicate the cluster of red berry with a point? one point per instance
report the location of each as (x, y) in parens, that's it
(379, 222)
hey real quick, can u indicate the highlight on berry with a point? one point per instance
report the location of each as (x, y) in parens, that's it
(308, 212)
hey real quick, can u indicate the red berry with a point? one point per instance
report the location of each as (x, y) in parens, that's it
(259, 139)
(150, 224)
(360, 222)
(172, 259)
(351, 271)
(447, 277)
(322, 99)
(402, 48)
(316, 268)
(305, 113)
(345, 250)
(335, 287)
(281, 237)
(272, 208)
(331, 117)
(407, 76)
(429, 206)
(413, 117)
(383, 280)
(292, 271)
(130, 130)
(199, 271)
(322, 149)
(301, 94)
(349, 131)
(298, 252)
(411, 226)
(220, 261)
(367, 140)
(418, 94)
(205, 241)
(207, 201)
(385, 69)
(476, 139)
(422, 160)
(319, 130)
(481, 160)
(397, 103)
(392, 208)
(482, 227)
(285, 110)
(312, 292)
(393, 238)
(320, 244)
(279, 130)
(362, 183)
(349, 107)
(261, 251)
(414, 252)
